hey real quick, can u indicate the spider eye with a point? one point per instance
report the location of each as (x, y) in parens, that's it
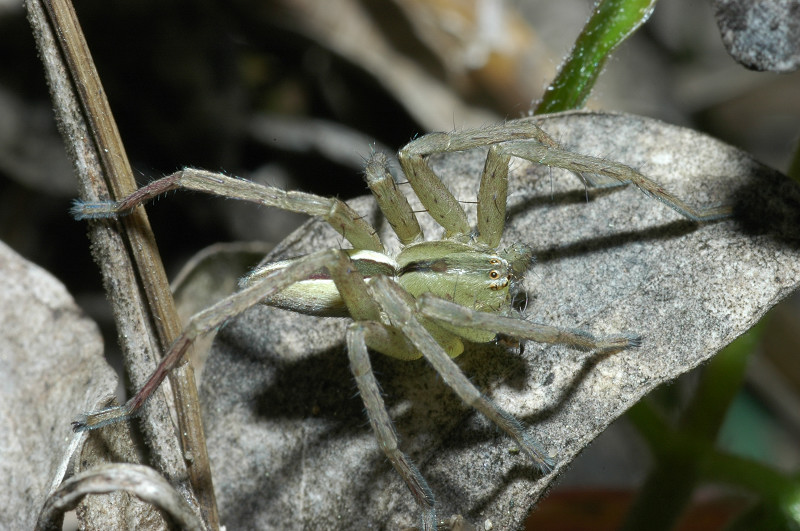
(494, 274)
(494, 261)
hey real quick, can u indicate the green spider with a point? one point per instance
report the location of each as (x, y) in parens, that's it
(424, 302)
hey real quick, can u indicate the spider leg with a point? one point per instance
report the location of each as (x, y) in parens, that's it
(586, 164)
(526, 140)
(401, 314)
(492, 197)
(206, 321)
(391, 201)
(341, 217)
(455, 314)
(367, 329)
(434, 195)
(381, 423)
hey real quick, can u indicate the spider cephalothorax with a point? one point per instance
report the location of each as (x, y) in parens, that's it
(424, 302)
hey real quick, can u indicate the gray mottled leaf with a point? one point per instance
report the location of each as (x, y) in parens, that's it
(287, 434)
(51, 367)
(761, 35)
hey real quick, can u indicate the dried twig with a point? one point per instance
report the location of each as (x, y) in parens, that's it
(126, 252)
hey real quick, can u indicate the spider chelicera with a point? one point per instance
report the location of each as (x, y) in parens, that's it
(425, 301)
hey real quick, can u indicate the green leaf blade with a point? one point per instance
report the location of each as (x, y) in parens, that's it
(611, 23)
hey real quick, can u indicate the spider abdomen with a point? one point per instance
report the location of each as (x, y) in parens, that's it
(318, 294)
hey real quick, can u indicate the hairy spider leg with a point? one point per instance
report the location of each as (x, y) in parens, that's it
(382, 425)
(393, 203)
(348, 281)
(204, 322)
(401, 314)
(338, 214)
(526, 140)
(579, 163)
(457, 315)
(433, 193)
(368, 330)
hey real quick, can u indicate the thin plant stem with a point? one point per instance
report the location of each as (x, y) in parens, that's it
(129, 258)
(612, 22)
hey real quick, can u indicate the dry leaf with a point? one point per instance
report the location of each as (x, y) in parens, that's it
(51, 367)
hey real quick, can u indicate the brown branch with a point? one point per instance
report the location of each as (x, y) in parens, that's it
(126, 251)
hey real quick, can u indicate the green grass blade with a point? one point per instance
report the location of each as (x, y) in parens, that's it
(611, 23)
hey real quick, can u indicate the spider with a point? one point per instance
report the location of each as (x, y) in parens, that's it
(425, 301)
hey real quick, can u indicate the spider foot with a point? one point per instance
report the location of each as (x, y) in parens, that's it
(617, 343)
(93, 209)
(100, 418)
